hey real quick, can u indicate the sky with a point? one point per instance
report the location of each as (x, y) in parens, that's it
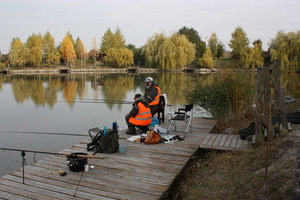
(140, 19)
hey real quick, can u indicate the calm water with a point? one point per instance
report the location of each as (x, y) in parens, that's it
(46, 104)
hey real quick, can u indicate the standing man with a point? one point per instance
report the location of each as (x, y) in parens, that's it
(139, 116)
(152, 95)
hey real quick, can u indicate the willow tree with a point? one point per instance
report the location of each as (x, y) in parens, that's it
(34, 46)
(193, 36)
(172, 52)
(286, 46)
(239, 42)
(207, 60)
(51, 54)
(67, 50)
(17, 53)
(252, 57)
(120, 57)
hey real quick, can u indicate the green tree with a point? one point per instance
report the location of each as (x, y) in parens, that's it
(80, 51)
(239, 42)
(107, 41)
(152, 47)
(119, 41)
(169, 53)
(113, 45)
(17, 53)
(286, 46)
(50, 52)
(193, 36)
(221, 50)
(67, 50)
(253, 57)
(213, 44)
(207, 60)
(34, 46)
(138, 55)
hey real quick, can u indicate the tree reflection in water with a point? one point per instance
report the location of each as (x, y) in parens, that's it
(44, 90)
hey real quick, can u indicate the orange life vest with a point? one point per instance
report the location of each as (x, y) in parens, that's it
(155, 101)
(143, 118)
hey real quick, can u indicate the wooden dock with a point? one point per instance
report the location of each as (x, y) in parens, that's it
(142, 172)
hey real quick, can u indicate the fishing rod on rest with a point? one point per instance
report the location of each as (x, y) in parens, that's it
(50, 153)
(112, 102)
(23, 152)
(87, 99)
(46, 133)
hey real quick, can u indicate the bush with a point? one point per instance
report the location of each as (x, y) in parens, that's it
(2, 65)
(230, 96)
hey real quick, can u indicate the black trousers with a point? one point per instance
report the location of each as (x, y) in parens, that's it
(154, 109)
(131, 127)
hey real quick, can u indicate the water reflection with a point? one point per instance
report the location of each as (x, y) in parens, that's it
(45, 90)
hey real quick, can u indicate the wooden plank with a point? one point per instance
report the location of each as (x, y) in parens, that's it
(228, 141)
(223, 140)
(62, 187)
(212, 139)
(10, 196)
(37, 190)
(205, 141)
(92, 184)
(245, 144)
(234, 141)
(23, 193)
(143, 172)
(217, 140)
(239, 143)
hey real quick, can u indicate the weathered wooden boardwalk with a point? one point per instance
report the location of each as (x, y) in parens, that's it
(142, 172)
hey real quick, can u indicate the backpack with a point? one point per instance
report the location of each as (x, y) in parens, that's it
(108, 143)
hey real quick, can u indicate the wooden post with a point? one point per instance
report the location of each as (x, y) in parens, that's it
(259, 107)
(279, 95)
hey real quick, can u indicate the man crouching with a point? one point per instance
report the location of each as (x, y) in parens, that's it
(139, 116)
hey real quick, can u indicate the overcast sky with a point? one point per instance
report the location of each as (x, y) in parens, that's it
(140, 19)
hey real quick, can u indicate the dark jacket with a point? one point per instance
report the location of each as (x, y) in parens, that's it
(151, 92)
(135, 109)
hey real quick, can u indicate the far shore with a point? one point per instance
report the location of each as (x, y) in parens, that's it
(102, 69)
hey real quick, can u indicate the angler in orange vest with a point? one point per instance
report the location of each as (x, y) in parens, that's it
(139, 116)
(152, 94)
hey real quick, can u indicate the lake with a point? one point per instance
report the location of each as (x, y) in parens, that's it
(73, 104)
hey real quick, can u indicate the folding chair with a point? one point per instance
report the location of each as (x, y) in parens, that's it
(182, 114)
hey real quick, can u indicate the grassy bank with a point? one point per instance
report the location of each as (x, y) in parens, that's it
(241, 175)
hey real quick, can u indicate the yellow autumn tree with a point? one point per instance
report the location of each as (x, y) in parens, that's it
(67, 50)
(17, 53)
(207, 60)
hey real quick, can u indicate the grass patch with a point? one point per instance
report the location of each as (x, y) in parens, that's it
(239, 175)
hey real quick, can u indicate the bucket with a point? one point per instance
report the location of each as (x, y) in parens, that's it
(75, 163)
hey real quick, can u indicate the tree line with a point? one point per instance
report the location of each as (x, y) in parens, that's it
(183, 48)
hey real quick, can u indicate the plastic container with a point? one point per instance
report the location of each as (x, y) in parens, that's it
(122, 148)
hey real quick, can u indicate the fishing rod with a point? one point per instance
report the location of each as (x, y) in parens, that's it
(112, 102)
(46, 133)
(87, 99)
(50, 153)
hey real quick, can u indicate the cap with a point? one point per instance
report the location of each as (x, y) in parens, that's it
(148, 79)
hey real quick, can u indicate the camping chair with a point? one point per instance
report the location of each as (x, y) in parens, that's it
(182, 114)
(161, 108)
